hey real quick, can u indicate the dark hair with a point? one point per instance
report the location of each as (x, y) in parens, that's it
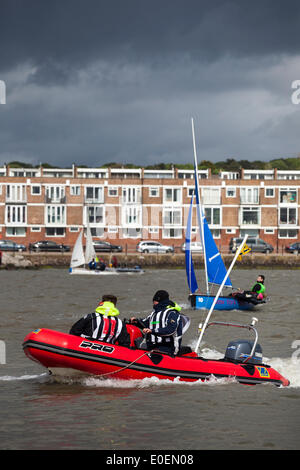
(263, 277)
(109, 298)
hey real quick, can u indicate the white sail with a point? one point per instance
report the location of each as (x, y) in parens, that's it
(77, 258)
(89, 248)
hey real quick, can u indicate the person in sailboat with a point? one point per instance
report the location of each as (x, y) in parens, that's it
(165, 325)
(92, 264)
(257, 292)
(103, 324)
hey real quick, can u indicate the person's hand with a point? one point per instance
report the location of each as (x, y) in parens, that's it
(146, 330)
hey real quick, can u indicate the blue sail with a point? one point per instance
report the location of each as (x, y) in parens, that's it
(216, 270)
(189, 266)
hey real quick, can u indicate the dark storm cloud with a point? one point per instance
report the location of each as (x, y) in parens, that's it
(94, 81)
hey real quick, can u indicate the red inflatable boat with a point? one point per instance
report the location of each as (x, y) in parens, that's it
(61, 352)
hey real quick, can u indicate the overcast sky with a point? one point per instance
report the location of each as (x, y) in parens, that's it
(97, 81)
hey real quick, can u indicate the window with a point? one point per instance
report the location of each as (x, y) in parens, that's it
(288, 233)
(269, 231)
(230, 192)
(172, 216)
(74, 229)
(287, 196)
(153, 192)
(212, 215)
(131, 195)
(55, 215)
(55, 232)
(172, 233)
(113, 229)
(250, 216)
(95, 214)
(94, 194)
(16, 231)
(131, 215)
(131, 232)
(36, 190)
(249, 195)
(16, 193)
(172, 195)
(74, 190)
(153, 230)
(15, 214)
(113, 192)
(287, 215)
(190, 192)
(269, 192)
(35, 229)
(55, 193)
(211, 195)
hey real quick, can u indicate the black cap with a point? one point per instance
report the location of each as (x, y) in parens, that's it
(160, 295)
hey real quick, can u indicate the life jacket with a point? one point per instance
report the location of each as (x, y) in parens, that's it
(262, 288)
(106, 328)
(159, 319)
(107, 308)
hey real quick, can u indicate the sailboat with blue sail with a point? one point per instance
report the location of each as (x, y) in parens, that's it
(215, 270)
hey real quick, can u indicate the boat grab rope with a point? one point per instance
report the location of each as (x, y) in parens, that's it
(125, 367)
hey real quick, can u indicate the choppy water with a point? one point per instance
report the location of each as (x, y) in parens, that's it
(38, 412)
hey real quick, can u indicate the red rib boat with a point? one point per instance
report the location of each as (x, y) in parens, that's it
(61, 352)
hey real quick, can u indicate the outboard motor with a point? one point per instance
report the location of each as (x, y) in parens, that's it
(240, 350)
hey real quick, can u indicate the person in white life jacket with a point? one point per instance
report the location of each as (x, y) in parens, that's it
(164, 326)
(103, 324)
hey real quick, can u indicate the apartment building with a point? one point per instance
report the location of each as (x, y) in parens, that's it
(129, 205)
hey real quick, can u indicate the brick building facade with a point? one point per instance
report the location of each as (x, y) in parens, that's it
(126, 206)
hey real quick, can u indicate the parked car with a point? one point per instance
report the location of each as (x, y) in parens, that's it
(8, 245)
(257, 245)
(106, 246)
(45, 245)
(196, 247)
(153, 247)
(293, 248)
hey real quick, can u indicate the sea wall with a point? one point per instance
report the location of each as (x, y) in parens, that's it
(38, 260)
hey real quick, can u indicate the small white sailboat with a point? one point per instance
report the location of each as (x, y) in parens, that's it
(80, 260)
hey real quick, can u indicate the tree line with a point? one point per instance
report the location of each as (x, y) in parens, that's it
(228, 165)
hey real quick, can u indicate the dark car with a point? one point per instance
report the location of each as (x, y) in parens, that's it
(106, 246)
(8, 245)
(293, 248)
(256, 244)
(46, 245)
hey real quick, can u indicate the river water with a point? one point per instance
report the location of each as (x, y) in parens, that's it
(40, 412)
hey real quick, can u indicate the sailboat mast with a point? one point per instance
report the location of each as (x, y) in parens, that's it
(219, 292)
(199, 205)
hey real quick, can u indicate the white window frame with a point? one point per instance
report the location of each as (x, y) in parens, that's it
(172, 199)
(268, 188)
(36, 186)
(114, 189)
(230, 188)
(56, 212)
(75, 190)
(154, 189)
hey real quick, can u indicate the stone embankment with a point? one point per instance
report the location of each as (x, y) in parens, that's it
(39, 260)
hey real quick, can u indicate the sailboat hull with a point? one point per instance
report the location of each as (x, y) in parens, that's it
(223, 303)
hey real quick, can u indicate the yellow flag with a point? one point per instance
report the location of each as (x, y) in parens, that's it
(243, 252)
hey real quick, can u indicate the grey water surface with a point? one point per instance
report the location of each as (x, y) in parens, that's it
(40, 412)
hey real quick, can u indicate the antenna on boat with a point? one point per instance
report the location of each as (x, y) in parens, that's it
(219, 292)
(198, 205)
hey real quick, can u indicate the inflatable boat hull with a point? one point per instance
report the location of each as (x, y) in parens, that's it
(55, 350)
